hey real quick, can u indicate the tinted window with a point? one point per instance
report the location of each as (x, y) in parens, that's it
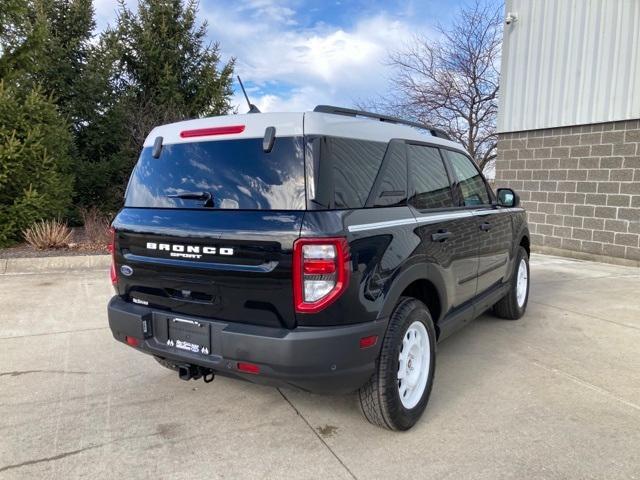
(430, 180)
(355, 166)
(236, 173)
(390, 188)
(474, 190)
(342, 170)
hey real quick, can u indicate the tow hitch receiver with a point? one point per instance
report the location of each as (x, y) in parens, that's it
(194, 372)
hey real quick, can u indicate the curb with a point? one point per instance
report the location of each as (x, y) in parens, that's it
(53, 264)
(589, 257)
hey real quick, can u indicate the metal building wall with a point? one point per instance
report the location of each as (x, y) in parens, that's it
(570, 62)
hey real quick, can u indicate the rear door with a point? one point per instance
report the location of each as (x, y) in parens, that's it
(208, 229)
(443, 229)
(493, 225)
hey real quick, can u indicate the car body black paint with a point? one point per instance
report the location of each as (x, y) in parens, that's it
(247, 300)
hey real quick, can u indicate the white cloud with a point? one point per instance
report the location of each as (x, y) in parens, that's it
(320, 64)
(291, 67)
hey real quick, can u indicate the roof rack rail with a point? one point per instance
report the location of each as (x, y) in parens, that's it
(436, 132)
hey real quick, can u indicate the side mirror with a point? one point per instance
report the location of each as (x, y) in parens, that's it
(507, 198)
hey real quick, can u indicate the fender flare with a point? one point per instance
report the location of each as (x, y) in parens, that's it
(408, 275)
(524, 232)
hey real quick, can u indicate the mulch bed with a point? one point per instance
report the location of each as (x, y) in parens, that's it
(77, 246)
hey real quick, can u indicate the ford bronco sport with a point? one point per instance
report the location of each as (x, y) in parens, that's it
(327, 250)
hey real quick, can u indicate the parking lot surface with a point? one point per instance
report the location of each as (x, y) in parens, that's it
(554, 395)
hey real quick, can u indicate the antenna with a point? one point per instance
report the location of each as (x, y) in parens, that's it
(252, 107)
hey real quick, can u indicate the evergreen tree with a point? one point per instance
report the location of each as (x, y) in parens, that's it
(35, 179)
(47, 44)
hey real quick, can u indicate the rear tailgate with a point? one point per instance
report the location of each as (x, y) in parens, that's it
(225, 264)
(210, 217)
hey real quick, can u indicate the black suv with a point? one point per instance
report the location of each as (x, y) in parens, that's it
(326, 250)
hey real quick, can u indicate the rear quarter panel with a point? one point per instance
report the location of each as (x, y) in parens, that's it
(384, 260)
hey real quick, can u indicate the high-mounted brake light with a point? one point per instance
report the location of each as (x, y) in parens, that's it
(205, 132)
(113, 273)
(320, 272)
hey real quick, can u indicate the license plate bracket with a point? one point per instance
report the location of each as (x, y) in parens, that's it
(189, 335)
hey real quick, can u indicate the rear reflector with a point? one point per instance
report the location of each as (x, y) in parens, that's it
(205, 132)
(247, 367)
(113, 273)
(132, 341)
(370, 341)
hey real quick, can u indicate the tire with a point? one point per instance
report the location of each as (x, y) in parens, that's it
(410, 329)
(513, 305)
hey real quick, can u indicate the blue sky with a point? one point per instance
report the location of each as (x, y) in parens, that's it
(294, 54)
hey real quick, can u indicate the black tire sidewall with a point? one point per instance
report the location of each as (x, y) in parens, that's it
(522, 254)
(401, 417)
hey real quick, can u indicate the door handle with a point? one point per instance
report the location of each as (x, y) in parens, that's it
(440, 235)
(485, 226)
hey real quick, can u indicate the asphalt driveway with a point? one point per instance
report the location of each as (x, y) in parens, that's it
(555, 395)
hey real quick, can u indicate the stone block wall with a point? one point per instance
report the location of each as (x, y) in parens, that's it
(580, 186)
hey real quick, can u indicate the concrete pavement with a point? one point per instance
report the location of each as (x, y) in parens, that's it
(555, 395)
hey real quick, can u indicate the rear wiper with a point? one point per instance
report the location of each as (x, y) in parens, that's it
(205, 196)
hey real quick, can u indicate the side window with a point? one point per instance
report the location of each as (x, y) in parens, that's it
(390, 188)
(474, 190)
(355, 166)
(429, 177)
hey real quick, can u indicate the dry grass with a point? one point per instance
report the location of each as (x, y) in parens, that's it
(48, 234)
(96, 226)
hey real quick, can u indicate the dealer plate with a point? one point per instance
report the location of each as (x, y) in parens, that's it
(189, 335)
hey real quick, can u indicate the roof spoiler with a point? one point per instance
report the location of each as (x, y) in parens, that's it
(435, 132)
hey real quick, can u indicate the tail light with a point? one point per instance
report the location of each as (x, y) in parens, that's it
(113, 273)
(320, 272)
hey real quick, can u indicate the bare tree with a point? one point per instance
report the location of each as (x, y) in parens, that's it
(452, 82)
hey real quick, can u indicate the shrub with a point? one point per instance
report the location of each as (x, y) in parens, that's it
(35, 179)
(48, 234)
(96, 226)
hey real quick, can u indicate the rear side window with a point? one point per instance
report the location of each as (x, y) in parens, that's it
(236, 174)
(429, 176)
(390, 188)
(341, 171)
(474, 190)
(355, 166)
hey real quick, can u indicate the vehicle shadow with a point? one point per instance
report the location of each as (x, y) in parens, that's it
(465, 361)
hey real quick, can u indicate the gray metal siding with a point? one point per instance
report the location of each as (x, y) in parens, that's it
(570, 62)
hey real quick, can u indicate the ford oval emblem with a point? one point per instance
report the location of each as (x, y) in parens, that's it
(126, 270)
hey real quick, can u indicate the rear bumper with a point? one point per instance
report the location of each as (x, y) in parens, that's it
(316, 359)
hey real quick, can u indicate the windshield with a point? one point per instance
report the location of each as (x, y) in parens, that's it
(223, 174)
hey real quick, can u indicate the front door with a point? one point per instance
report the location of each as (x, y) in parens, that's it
(446, 232)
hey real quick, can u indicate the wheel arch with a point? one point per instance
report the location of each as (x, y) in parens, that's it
(423, 282)
(525, 242)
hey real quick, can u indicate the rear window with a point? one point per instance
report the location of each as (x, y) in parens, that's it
(236, 174)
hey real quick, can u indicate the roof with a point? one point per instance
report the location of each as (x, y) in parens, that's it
(253, 125)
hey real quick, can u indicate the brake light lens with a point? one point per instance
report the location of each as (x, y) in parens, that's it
(113, 273)
(206, 132)
(320, 272)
